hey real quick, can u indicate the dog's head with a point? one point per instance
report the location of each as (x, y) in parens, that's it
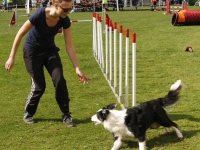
(102, 114)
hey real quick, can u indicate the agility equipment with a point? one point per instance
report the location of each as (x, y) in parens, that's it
(113, 60)
(13, 20)
(170, 9)
(81, 20)
(186, 17)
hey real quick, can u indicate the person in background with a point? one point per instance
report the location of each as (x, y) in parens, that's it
(40, 51)
(30, 4)
(154, 3)
(175, 1)
(9, 5)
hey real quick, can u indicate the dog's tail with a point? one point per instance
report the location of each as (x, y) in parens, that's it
(173, 95)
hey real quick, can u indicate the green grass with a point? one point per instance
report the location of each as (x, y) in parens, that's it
(161, 60)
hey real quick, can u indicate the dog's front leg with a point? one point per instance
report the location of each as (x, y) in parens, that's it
(117, 142)
(178, 133)
(142, 145)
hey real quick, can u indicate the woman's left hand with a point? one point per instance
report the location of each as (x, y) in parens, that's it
(82, 77)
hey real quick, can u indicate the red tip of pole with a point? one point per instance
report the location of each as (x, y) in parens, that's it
(134, 38)
(107, 21)
(93, 14)
(115, 25)
(120, 29)
(107, 16)
(110, 23)
(127, 32)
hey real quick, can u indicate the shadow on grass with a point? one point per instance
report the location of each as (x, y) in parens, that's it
(175, 117)
(165, 138)
(77, 121)
(160, 140)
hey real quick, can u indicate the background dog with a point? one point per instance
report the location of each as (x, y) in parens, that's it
(136, 120)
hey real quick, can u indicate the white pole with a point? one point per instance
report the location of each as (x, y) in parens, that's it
(106, 43)
(81, 20)
(110, 44)
(117, 3)
(125, 3)
(27, 7)
(127, 67)
(134, 69)
(131, 5)
(98, 37)
(94, 33)
(115, 56)
(101, 46)
(120, 63)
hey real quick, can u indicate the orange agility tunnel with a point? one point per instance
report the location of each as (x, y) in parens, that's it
(186, 17)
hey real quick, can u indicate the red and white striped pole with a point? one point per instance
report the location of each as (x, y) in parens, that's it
(134, 69)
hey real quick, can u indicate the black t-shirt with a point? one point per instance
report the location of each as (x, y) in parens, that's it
(41, 36)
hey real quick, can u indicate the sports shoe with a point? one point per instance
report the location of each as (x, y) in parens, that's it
(67, 120)
(28, 119)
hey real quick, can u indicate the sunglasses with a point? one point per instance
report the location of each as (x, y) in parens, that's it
(66, 9)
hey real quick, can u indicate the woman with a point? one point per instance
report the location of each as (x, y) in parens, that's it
(40, 50)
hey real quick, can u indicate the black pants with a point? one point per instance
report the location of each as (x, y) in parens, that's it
(35, 62)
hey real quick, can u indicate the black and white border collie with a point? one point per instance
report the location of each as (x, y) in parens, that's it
(135, 121)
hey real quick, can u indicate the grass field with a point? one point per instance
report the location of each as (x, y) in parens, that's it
(161, 60)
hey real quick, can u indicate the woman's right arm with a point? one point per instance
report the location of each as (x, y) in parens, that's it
(22, 31)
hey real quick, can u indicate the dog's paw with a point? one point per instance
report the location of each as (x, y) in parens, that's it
(180, 138)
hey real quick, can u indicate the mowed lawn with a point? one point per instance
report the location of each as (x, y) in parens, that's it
(160, 58)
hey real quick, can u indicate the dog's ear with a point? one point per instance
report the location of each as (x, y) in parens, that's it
(102, 115)
(111, 106)
(104, 111)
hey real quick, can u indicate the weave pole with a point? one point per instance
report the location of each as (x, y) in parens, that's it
(115, 56)
(81, 20)
(110, 51)
(106, 45)
(134, 69)
(94, 33)
(114, 60)
(127, 68)
(120, 63)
